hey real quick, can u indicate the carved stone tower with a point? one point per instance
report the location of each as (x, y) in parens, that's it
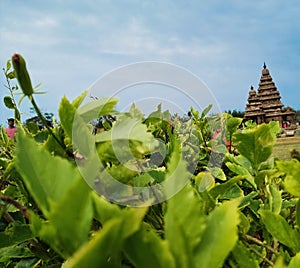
(265, 105)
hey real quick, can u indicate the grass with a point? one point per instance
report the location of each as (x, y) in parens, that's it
(284, 146)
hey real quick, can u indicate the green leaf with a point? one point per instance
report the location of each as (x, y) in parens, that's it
(79, 99)
(298, 213)
(66, 113)
(232, 123)
(244, 257)
(292, 171)
(11, 75)
(8, 65)
(234, 192)
(17, 252)
(146, 249)
(69, 220)
(97, 108)
(256, 144)
(204, 181)
(15, 234)
(281, 230)
(275, 200)
(206, 111)
(184, 225)
(104, 210)
(104, 249)
(222, 188)
(218, 173)
(9, 102)
(220, 235)
(295, 261)
(48, 181)
(242, 171)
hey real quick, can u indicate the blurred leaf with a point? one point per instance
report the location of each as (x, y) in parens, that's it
(206, 111)
(292, 171)
(220, 235)
(8, 65)
(146, 249)
(97, 108)
(11, 75)
(275, 200)
(232, 124)
(295, 261)
(104, 249)
(69, 220)
(184, 225)
(9, 102)
(66, 113)
(32, 127)
(79, 99)
(46, 182)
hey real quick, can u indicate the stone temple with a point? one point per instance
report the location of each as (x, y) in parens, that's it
(264, 105)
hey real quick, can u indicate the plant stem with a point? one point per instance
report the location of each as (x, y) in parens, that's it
(44, 121)
(260, 255)
(257, 241)
(10, 200)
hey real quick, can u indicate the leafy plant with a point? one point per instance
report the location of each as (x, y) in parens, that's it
(224, 208)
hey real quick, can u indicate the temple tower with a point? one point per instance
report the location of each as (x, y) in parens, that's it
(265, 105)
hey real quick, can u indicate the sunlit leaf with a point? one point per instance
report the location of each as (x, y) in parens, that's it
(219, 236)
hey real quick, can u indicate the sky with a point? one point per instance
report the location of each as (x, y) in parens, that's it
(69, 45)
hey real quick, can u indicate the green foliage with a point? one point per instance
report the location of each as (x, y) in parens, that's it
(256, 144)
(206, 206)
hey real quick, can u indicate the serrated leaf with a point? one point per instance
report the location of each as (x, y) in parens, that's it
(47, 181)
(281, 230)
(219, 237)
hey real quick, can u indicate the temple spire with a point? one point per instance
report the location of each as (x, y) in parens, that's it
(265, 66)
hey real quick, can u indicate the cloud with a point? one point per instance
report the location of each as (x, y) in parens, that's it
(68, 44)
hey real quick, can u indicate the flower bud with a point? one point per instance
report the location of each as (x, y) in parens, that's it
(22, 74)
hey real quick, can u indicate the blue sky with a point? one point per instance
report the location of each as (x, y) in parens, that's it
(68, 44)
